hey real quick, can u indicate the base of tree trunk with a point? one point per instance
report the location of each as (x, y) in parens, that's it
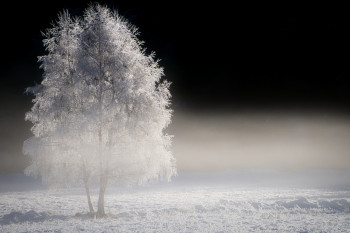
(89, 215)
(102, 215)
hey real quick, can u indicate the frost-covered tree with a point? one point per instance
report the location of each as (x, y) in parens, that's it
(57, 110)
(100, 112)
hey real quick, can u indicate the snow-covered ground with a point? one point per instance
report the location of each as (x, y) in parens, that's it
(225, 202)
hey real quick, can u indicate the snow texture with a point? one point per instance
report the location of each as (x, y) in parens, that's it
(189, 204)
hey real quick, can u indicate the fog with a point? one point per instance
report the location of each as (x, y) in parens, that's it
(262, 140)
(237, 140)
(13, 130)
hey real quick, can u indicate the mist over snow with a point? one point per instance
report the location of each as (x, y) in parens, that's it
(238, 172)
(193, 202)
(262, 139)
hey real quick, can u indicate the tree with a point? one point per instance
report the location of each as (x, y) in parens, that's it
(100, 112)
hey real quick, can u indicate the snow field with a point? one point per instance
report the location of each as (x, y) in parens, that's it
(180, 208)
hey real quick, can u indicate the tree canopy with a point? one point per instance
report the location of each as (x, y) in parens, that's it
(100, 111)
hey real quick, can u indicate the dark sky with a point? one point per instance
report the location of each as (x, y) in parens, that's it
(217, 54)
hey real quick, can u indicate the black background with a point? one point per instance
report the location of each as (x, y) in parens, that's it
(216, 54)
(213, 52)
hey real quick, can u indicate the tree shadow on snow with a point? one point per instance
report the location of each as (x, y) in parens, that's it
(30, 216)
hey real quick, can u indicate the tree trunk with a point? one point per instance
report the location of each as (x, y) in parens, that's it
(86, 183)
(101, 198)
(103, 178)
(87, 189)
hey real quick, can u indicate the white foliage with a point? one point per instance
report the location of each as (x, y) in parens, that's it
(101, 107)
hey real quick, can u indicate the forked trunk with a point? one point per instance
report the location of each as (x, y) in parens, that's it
(101, 198)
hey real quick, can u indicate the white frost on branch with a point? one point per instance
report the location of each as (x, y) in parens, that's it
(102, 106)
